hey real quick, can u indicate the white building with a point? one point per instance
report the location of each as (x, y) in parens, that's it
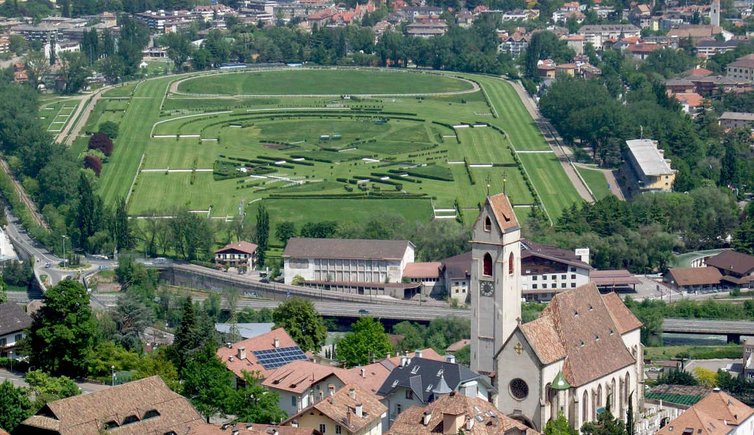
(598, 34)
(548, 270)
(346, 260)
(13, 323)
(583, 348)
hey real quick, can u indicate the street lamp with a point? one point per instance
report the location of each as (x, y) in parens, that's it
(112, 370)
(11, 360)
(63, 236)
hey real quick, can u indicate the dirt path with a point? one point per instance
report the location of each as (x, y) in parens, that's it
(555, 142)
(81, 116)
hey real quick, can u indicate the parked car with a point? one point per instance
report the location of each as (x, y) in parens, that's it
(363, 312)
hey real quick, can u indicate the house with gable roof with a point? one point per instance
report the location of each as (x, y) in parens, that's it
(717, 414)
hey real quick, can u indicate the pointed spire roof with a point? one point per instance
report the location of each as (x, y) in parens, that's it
(560, 383)
(442, 387)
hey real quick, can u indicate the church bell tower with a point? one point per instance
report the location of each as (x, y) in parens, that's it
(495, 280)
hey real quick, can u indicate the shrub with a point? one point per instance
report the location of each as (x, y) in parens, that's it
(94, 163)
(109, 128)
(102, 142)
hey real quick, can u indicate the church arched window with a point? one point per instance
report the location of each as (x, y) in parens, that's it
(487, 265)
(487, 224)
(510, 264)
(585, 407)
(626, 389)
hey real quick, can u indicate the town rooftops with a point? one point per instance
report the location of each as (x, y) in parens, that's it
(422, 376)
(695, 31)
(718, 413)
(244, 356)
(609, 28)
(612, 278)
(692, 99)
(242, 246)
(737, 116)
(649, 157)
(343, 408)
(732, 262)
(138, 407)
(532, 249)
(458, 266)
(299, 376)
(693, 276)
(353, 249)
(685, 395)
(428, 353)
(468, 415)
(580, 327)
(250, 429)
(458, 345)
(423, 270)
(13, 318)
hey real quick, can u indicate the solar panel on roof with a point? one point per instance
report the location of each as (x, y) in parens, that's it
(274, 358)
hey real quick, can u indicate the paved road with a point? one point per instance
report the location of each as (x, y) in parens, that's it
(17, 379)
(722, 327)
(72, 129)
(555, 142)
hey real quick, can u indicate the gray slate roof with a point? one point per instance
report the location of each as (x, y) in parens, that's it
(13, 318)
(351, 249)
(423, 376)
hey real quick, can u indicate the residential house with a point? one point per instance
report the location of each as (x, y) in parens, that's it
(546, 68)
(13, 324)
(576, 42)
(458, 345)
(241, 255)
(641, 15)
(737, 268)
(514, 43)
(748, 360)
(427, 29)
(249, 429)
(673, 86)
(742, 68)
(419, 381)
(641, 50)
(361, 266)
(429, 275)
(4, 44)
(300, 384)
(707, 48)
(691, 102)
(146, 406)
(599, 34)
(516, 15)
(694, 279)
(717, 414)
(260, 355)
(457, 277)
(647, 169)
(736, 120)
(351, 410)
(453, 414)
(547, 270)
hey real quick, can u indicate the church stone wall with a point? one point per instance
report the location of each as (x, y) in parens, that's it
(525, 366)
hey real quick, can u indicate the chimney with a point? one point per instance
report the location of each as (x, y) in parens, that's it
(352, 393)
(418, 353)
(294, 423)
(403, 361)
(276, 342)
(469, 424)
(241, 352)
(363, 373)
(427, 416)
(359, 410)
(450, 358)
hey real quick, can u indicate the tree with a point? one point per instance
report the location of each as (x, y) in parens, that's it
(255, 404)
(263, 233)
(744, 237)
(191, 235)
(74, 70)
(208, 383)
(94, 163)
(179, 48)
(46, 388)
(705, 376)
(121, 228)
(194, 333)
(109, 129)
(14, 406)
(101, 142)
(158, 363)
(37, 67)
(302, 322)
(86, 214)
(559, 426)
(131, 317)
(606, 424)
(285, 231)
(366, 342)
(63, 330)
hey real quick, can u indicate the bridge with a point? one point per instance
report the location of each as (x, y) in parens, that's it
(732, 329)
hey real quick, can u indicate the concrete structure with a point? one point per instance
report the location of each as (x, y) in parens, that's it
(736, 120)
(547, 270)
(748, 359)
(13, 323)
(495, 280)
(419, 381)
(651, 171)
(351, 410)
(347, 261)
(240, 255)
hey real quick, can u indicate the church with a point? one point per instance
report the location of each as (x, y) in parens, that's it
(582, 354)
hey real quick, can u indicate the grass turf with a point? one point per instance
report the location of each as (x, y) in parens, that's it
(322, 82)
(596, 181)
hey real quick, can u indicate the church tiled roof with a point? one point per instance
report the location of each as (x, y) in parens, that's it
(503, 211)
(623, 317)
(578, 325)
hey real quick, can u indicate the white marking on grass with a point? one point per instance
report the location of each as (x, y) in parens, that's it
(189, 135)
(368, 160)
(209, 140)
(445, 210)
(151, 133)
(461, 126)
(480, 165)
(449, 135)
(136, 175)
(480, 125)
(455, 162)
(164, 136)
(535, 152)
(445, 217)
